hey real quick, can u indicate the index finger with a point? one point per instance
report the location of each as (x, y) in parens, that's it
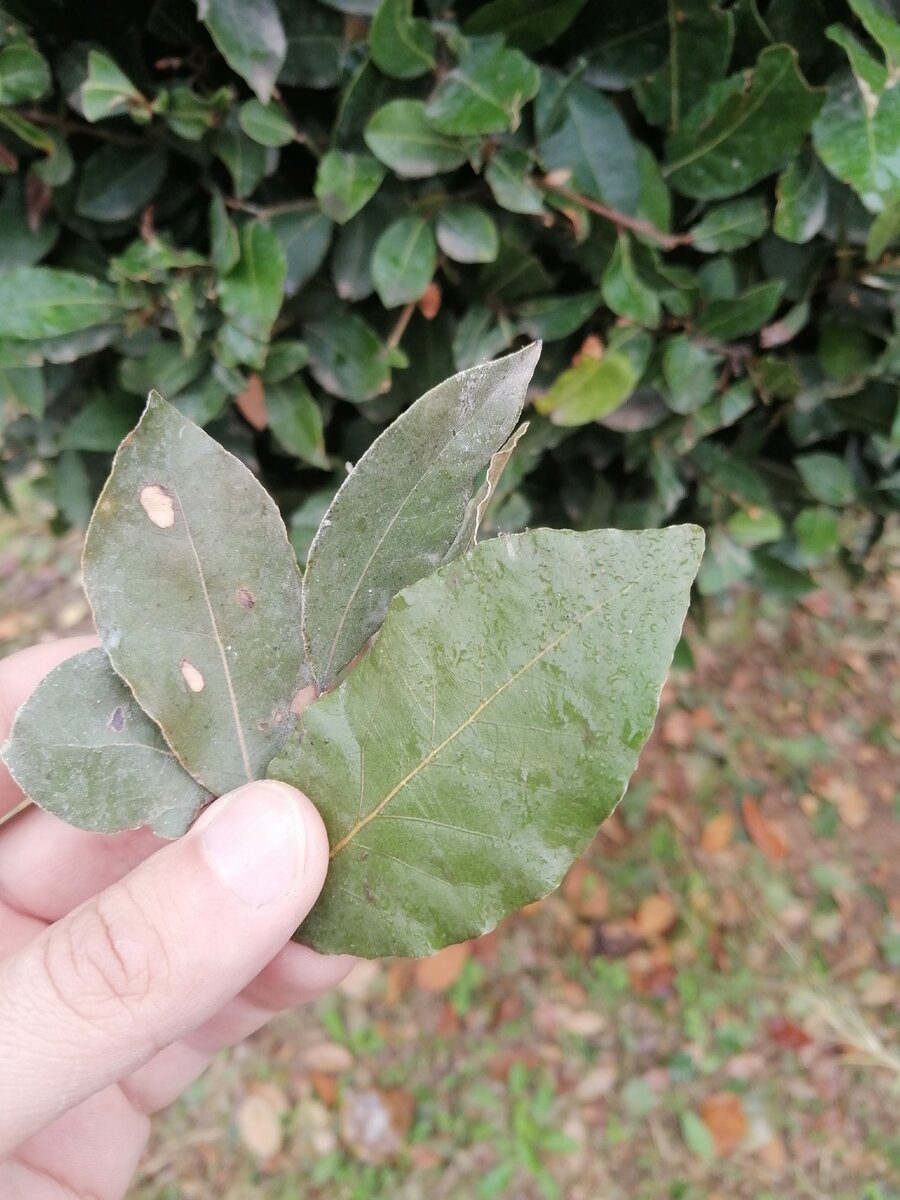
(20, 674)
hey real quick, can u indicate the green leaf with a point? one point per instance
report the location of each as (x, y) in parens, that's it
(701, 37)
(551, 318)
(251, 294)
(267, 124)
(346, 182)
(296, 421)
(589, 391)
(305, 237)
(690, 372)
(697, 1137)
(485, 92)
(755, 527)
(731, 225)
(41, 302)
(404, 261)
(400, 135)
(802, 199)
(351, 263)
(401, 45)
(224, 243)
(199, 613)
(479, 336)
(244, 158)
(347, 358)
(192, 116)
(400, 509)
(525, 26)
(817, 531)
(857, 136)
(522, 721)
(508, 175)
(83, 749)
(107, 91)
(25, 388)
(315, 36)
(284, 360)
(625, 42)
(467, 234)
(885, 231)
(251, 38)
(625, 292)
(827, 478)
(21, 246)
(743, 129)
(24, 74)
(101, 424)
(115, 184)
(593, 142)
(745, 314)
(880, 18)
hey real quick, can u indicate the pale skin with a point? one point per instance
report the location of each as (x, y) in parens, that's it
(127, 963)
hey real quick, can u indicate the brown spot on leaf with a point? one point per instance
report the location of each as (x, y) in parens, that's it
(244, 598)
(251, 403)
(117, 720)
(192, 676)
(157, 503)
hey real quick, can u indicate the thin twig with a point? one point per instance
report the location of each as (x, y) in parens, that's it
(393, 340)
(266, 211)
(52, 121)
(668, 241)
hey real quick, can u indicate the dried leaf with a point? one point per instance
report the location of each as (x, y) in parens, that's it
(441, 971)
(375, 1122)
(656, 916)
(470, 757)
(717, 833)
(724, 1117)
(259, 1122)
(82, 748)
(199, 613)
(399, 510)
(765, 836)
(328, 1058)
(251, 403)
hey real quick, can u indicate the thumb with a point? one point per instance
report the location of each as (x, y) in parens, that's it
(140, 965)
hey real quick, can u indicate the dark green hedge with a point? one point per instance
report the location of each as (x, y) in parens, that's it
(293, 217)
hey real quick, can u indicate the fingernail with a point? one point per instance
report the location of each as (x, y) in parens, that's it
(255, 841)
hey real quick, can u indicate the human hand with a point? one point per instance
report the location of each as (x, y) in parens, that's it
(127, 963)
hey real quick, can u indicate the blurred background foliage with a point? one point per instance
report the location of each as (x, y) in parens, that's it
(293, 217)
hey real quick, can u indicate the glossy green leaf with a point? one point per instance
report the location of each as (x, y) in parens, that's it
(244, 158)
(267, 124)
(624, 42)
(41, 302)
(25, 389)
(525, 26)
(402, 45)
(404, 261)
(251, 37)
(743, 129)
(200, 613)
(191, 115)
(701, 37)
(107, 91)
(508, 175)
(481, 335)
(817, 531)
(83, 749)
(882, 20)
(625, 291)
(115, 184)
(224, 243)
(305, 236)
(467, 233)
(485, 92)
(347, 358)
(251, 294)
(401, 507)
(400, 135)
(589, 391)
(593, 142)
(731, 225)
(470, 757)
(857, 136)
(745, 314)
(690, 372)
(885, 231)
(285, 358)
(102, 423)
(827, 478)
(551, 318)
(24, 74)
(802, 199)
(755, 527)
(315, 36)
(296, 421)
(346, 182)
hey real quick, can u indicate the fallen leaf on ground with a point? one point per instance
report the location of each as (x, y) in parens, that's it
(656, 916)
(442, 970)
(251, 403)
(880, 991)
(717, 833)
(774, 1154)
(259, 1123)
(375, 1122)
(596, 1084)
(787, 1034)
(678, 729)
(764, 834)
(325, 1087)
(848, 799)
(329, 1058)
(723, 1115)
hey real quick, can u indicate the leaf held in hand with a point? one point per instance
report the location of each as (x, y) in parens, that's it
(400, 509)
(83, 749)
(168, 570)
(470, 757)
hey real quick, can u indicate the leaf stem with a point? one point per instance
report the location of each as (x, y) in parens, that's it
(668, 241)
(52, 121)
(396, 334)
